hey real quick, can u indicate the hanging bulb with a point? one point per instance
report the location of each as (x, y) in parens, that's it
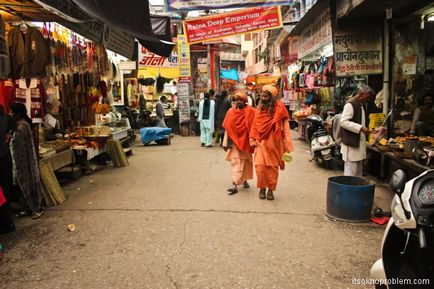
(422, 22)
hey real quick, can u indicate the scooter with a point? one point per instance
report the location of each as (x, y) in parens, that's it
(322, 146)
(407, 252)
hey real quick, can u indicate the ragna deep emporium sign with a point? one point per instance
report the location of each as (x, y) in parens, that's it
(189, 5)
(232, 23)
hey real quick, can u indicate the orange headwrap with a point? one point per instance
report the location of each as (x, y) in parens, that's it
(271, 89)
(241, 96)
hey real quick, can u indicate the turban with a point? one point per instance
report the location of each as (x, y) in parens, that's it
(241, 96)
(271, 89)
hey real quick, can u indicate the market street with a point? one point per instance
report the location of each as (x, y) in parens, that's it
(166, 221)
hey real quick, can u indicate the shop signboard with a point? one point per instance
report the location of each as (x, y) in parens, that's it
(358, 51)
(232, 23)
(118, 41)
(92, 30)
(318, 35)
(150, 59)
(183, 56)
(183, 102)
(189, 5)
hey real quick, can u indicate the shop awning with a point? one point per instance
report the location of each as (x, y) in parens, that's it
(231, 74)
(133, 17)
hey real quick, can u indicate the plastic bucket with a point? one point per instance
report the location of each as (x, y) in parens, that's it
(349, 199)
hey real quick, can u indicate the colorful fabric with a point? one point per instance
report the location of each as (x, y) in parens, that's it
(241, 96)
(33, 96)
(267, 176)
(238, 123)
(271, 89)
(264, 124)
(241, 165)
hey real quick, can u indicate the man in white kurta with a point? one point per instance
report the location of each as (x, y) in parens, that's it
(353, 156)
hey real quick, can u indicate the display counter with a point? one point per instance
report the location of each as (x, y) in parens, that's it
(382, 163)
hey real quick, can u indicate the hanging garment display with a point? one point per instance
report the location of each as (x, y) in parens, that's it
(29, 52)
(32, 94)
(4, 58)
(6, 94)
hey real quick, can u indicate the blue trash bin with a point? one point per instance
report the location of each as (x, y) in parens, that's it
(349, 199)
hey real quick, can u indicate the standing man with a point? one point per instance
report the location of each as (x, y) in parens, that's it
(237, 125)
(206, 119)
(223, 104)
(354, 131)
(271, 137)
(160, 111)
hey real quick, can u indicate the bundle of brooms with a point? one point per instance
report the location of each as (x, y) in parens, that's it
(53, 193)
(117, 153)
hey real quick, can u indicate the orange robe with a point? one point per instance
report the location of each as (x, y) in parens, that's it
(272, 137)
(237, 125)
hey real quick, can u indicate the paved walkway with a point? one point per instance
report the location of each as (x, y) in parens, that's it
(166, 221)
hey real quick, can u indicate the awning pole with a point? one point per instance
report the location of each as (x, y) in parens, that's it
(386, 74)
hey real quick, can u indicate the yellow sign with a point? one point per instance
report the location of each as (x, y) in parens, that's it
(183, 56)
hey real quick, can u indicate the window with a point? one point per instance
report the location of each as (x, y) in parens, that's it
(248, 37)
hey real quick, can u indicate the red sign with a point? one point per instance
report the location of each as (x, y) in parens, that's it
(232, 23)
(184, 79)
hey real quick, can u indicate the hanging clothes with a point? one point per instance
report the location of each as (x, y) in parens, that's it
(4, 58)
(6, 94)
(29, 52)
(33, 95)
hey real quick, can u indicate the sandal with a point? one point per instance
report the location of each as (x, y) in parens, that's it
(270, 195)
(262, 194)
(246, 185)
(232, 191)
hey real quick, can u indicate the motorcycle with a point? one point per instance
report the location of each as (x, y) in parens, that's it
(322, 146)
(407, 252)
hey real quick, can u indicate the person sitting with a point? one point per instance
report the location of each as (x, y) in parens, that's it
(423, 118)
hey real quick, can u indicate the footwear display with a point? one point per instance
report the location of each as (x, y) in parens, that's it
(262, 194)
(246, 185)
(232, 191)
(270, 195)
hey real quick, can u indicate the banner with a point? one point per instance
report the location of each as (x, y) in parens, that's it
(183, 56)
(232, 23)
(150, 59)
(358, 51)
(189, 5)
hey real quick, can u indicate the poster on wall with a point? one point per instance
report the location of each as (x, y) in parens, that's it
(232, 23)
(358, 51)
(189, 5)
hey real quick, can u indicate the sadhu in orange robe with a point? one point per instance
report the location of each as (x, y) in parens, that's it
(272, 137)
(237, 125)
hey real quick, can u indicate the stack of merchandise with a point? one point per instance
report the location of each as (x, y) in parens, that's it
(376, 121)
